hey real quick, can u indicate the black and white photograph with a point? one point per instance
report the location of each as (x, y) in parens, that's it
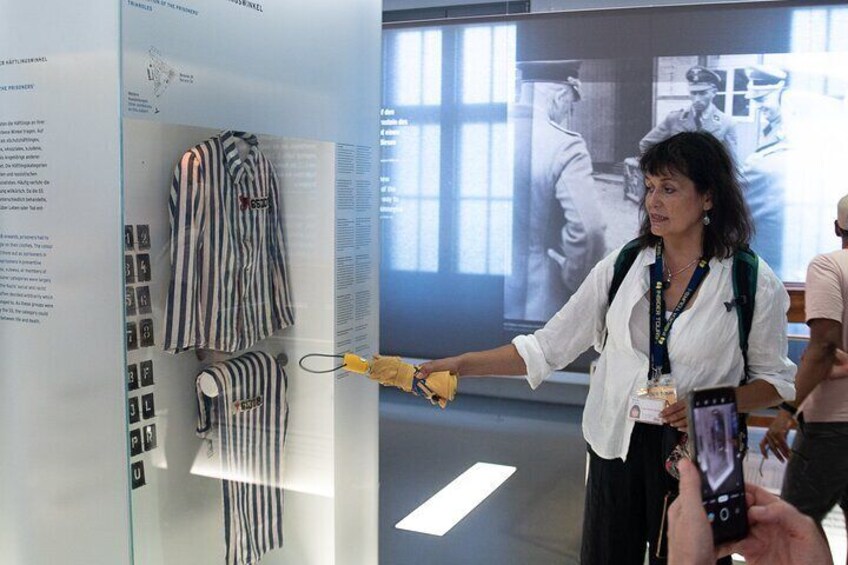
(510, 152)
(570, 206)
(580, 127)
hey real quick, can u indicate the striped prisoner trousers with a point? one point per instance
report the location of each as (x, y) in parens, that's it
(249, 414)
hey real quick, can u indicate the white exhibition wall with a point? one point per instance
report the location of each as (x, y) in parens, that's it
(97, 104)
(63, 462)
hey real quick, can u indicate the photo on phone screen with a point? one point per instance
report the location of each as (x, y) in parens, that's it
(715, 441)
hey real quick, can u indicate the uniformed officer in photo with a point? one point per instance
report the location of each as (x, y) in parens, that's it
(701, 115)
(561, 224)
(766, 84)
(765, 170)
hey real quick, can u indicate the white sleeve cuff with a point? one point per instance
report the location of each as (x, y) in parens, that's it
(785, 388)
(531, 351)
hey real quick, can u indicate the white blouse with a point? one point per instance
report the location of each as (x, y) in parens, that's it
(703, 345)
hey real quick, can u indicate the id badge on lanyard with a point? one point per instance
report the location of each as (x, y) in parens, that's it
(647, 402)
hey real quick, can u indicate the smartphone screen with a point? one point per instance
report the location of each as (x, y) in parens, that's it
(714, 427)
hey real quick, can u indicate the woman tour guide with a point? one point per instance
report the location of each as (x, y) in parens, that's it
(684, 331)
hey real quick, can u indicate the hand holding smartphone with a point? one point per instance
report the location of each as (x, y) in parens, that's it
(714, 436)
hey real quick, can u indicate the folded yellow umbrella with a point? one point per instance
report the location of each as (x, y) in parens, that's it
(437, 387)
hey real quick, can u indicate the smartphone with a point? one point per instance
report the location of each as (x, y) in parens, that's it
(714, 440)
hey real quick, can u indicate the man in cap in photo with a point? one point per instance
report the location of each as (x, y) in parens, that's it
(559, 231)
(701, 115)
(766, 84)
(765, 170)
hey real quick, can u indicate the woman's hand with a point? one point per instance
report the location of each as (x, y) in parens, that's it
(676, 416)
(497, 362)
(775, 438)
(451, 364)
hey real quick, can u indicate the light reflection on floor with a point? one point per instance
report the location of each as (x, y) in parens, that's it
(536, 517)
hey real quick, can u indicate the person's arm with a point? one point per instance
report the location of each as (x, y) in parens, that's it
(816, 365)
(730, 140)
(661, 132)
(749, 397)
(823, 306)
(756, 395)
(819, 358)
(569, 333)
(501, 361)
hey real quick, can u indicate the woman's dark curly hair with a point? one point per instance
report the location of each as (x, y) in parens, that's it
(705, 161)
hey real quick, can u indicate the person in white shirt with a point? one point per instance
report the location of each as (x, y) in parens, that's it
(694, 222)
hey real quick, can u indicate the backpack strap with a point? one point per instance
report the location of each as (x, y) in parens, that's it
(745, 267)
(744, 275)
(626, 258)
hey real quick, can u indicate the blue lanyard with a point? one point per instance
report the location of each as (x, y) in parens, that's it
(660, 327)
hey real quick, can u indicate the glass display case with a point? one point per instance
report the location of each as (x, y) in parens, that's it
(188, 207)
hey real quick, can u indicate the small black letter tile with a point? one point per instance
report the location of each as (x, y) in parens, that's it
(129, 269)
(146, 370)
(143, 262)
(129, 237)
(145, 328)
(143, 299)
(138, 474)
(136, 443)
(149, 437)
(147, 409)
(132, 377)
(143, 236)
(132, 336)
(134, 413)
